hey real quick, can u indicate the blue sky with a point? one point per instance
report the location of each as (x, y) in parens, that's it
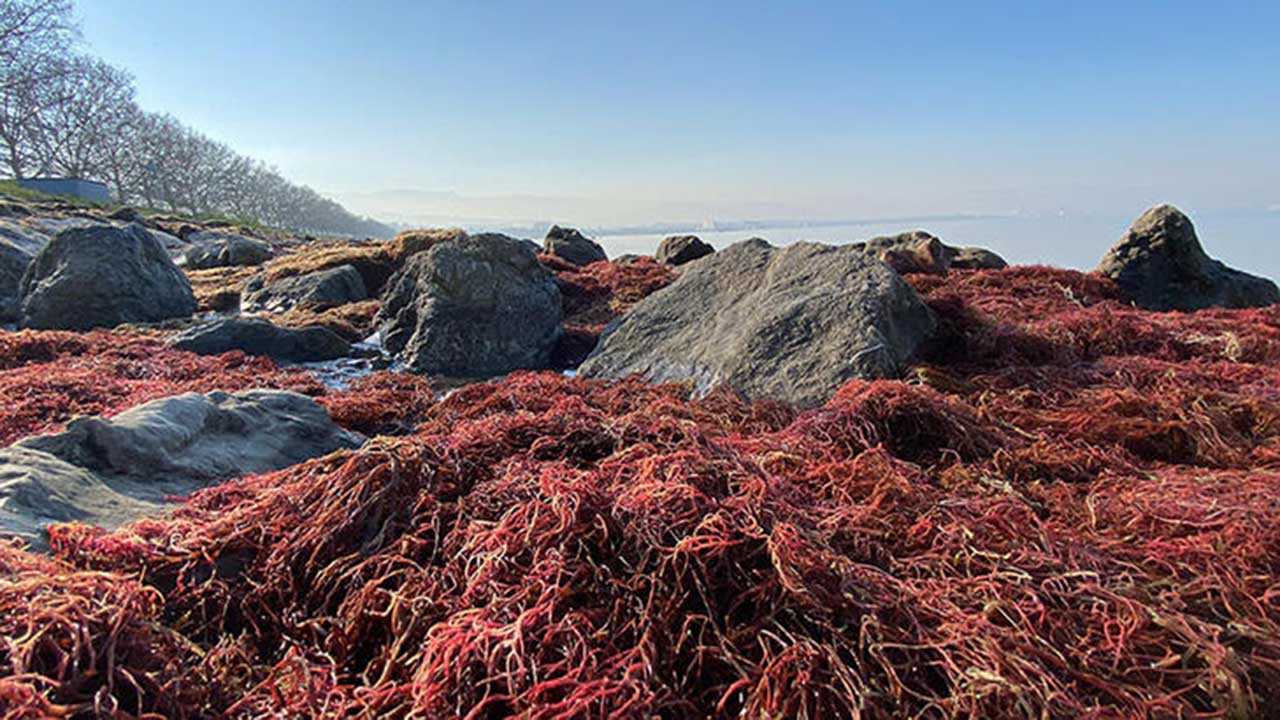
(653, 111)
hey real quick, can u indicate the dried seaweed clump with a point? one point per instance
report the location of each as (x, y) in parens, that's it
(353, 321)
(375, 261)
(218, 289)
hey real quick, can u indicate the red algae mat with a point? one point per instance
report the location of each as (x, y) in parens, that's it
(1069, 508)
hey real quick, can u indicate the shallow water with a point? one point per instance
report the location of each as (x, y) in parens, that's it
(1249, 241)
(367, 357)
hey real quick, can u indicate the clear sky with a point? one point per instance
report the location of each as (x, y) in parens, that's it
(648, 111)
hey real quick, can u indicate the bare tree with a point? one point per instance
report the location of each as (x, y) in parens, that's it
(62, 112)
(31, 33)
(36, 37)
(88, 108)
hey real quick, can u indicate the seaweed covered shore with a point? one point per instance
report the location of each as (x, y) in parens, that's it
(1068, 508)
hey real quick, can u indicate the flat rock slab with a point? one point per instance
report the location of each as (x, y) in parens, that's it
(319, 290)
(259, 337)
(110, 471)
(789, 324)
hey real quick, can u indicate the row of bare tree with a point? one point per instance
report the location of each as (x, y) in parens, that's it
(66, 113)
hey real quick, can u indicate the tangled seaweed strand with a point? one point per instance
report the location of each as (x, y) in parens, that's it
(1070, 508)
(83, 642)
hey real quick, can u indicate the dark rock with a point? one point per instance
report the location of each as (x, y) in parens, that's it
(172, 244)
(109, 471)
(680, 249)
(259, 337)
(318, 290)
(1160, 265)
(102, 276)
(19, 245)
(974, 258)
(572, 246)
(127, 214)
(13, 263)
(628, 259)
(472, 307)
(209, 249)
(789, 324)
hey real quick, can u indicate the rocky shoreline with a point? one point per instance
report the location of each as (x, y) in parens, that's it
(771, 463)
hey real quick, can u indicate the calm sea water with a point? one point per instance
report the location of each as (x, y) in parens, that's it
(1247, 241)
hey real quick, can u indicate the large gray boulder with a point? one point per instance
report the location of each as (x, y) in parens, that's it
(681, 249)
(570, 245)
(789, 324)
(318, 290)
(109, 471)
(1160, 265)
(102, 276)
(259, 337)
(210, 249)
(473, 307)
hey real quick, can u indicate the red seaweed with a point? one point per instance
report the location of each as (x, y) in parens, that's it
(1068, 508)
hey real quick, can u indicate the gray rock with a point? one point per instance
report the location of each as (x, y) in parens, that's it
(920, 252)
(910, 252)
(789, 324)
(109, 471)
(1160, 265)
(472, 307)
(259, 337)
(319, 290)
(128, 215)
(975, 258)
(14, 260)
(680, 249)
(102, 276)
(209, 249)
(20, 234)
(628, 259)
(572, 246)
(172, 243)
